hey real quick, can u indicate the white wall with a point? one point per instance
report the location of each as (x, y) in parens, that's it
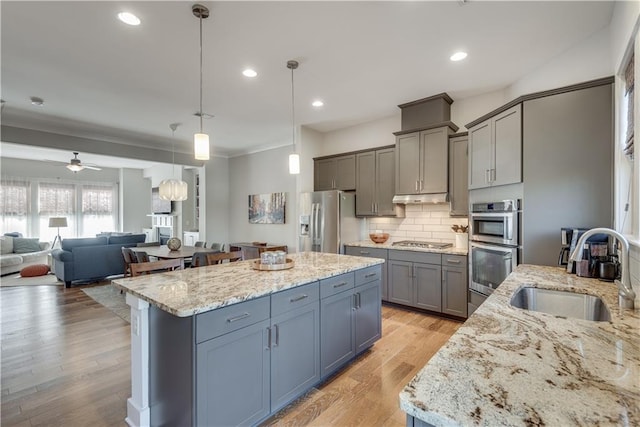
(134, 206)
(376, 133)
(469, 109)
(214, 182)
(588, 60)
(262, 173)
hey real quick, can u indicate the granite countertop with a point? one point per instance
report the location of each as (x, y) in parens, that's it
(187, 292)
(508, 366)
(389, 245)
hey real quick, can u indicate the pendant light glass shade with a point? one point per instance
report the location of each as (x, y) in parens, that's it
(294, 163)
(201, 146)
(172, 189)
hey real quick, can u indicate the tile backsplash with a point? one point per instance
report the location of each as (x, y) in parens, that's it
(422, 222)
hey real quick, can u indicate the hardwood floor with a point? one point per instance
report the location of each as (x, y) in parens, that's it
(66, 362)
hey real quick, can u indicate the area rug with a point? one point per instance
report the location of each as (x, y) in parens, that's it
(110, 297)
(17, 280)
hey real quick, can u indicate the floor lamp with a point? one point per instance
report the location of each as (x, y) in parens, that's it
(58, 222)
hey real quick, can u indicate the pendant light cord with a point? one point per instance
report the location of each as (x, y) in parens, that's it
(293, 114)
(200, 19)
(173, 127)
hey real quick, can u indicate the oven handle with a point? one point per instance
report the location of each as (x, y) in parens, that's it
(479, 293)
(496, 248)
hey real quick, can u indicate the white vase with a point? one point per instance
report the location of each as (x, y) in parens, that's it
(462, 241)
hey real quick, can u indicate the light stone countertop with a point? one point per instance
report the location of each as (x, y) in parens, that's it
(508, 366)
(187, 292)
(389, 245)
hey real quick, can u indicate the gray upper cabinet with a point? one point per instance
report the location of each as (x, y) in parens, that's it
(335, 173)
(495, 150)
(458, 176)
(422, 161)
(407, 163)
(375, 182)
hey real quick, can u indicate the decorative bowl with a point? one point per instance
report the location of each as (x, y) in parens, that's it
(379, 237)
(174, 244)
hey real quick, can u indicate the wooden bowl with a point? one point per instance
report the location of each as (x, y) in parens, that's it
(379, 238)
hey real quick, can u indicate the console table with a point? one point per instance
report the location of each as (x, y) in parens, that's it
(253, 250)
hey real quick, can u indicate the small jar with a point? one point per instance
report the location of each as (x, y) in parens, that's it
(281, 257)
(266, 258)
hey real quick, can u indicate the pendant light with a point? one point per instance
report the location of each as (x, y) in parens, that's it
(294, 158)
(200, 140)
(173, 189)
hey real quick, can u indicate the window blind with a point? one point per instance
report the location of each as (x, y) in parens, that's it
(14, 198)
(56, 199)
(97, 200)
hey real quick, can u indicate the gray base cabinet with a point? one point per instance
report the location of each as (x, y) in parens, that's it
(295, 353)
(239, 364)
(428, 281)
(350, 316)
(372, 253)
(233, 375)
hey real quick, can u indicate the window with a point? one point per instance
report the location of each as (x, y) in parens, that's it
(14, 206)
(97, 209)
(56, 200)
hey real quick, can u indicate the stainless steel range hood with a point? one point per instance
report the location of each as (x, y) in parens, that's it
(430, 199)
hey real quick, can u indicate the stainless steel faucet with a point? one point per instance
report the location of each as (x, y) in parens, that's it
(626, 296)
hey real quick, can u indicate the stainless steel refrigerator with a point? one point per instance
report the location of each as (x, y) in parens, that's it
(327, 221)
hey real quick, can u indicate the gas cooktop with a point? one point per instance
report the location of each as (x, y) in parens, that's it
(418, 244)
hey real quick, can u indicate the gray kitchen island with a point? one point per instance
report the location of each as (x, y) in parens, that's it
(231, 345)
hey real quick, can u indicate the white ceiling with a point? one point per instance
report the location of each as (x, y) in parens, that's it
(103, 79)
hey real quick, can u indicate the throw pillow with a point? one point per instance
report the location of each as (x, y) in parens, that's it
(23, 245)
(34, 270)
(6, 245)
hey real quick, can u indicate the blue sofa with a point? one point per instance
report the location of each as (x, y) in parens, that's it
(92, 258)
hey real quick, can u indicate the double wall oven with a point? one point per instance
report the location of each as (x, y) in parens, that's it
(494, 234)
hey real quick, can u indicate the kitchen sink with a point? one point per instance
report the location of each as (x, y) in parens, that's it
(561, 303)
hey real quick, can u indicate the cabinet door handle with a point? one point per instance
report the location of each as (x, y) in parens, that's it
(277, 328)
(364, 253)
(421, 185)
(493, 175)
(268, 339)
(298, 298)
(369, 275)
(416, 185)
(487, 179)
(236, 318)
(453, 261)
(359, 300)
(355, 302)
(339, 285)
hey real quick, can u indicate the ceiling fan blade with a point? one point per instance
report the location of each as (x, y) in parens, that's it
(95, 168)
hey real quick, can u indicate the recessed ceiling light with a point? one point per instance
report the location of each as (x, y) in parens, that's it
(317, 103)
(37, 101)
(249, 73)
(129, 18)
(458, 56)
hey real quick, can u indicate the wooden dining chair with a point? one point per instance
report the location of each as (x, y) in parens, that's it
(140, 268)
(218, 258)
(142, 256)
(129, 258)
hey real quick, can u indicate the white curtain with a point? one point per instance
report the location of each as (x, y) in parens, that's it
(56, 200)
(14, 205)
(98, 209)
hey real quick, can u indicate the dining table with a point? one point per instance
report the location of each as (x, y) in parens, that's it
(163, 251)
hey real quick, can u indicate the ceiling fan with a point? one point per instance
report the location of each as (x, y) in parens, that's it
(75, 165)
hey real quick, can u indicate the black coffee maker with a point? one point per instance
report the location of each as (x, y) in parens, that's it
(569, 238)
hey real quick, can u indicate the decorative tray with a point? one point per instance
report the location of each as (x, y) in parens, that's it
(257, 265)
